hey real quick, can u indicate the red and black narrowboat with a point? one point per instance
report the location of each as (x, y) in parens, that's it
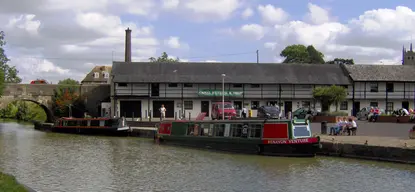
(267, 137)
(87, 125)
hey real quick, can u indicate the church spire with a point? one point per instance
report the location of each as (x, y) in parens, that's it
(410, 48)
(403, 54)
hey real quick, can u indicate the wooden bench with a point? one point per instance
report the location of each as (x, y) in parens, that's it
(201, 116)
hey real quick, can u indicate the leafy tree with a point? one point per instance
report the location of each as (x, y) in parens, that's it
(341, 61)
(302, 54)
(68, 81)
(330, 94)
(1, 82)
(163, 58)
(66, 99)
(314, 56)
(24, 110)
(10, 73)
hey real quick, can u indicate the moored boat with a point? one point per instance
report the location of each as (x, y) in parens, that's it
(265, 136)
(86, 125)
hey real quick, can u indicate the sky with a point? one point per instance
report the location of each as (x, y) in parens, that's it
(57, 39)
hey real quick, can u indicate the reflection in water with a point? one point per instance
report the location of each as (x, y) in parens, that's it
(60, 162)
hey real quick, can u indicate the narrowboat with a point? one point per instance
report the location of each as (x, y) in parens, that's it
(86, 125)
(260, 136)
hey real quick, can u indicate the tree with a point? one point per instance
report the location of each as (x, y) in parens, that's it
(302, 54)
(10, 73)
(68, 81)
(163, 58)
(341, 61)
(329, 95)
(314, 56)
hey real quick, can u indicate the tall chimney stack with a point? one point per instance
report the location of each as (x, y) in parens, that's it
(128, 45)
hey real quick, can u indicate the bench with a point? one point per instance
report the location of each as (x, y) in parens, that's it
(201, 116)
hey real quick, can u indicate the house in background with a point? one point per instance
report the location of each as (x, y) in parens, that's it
(98, 75)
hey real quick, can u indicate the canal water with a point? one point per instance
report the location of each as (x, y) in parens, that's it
(51, 162)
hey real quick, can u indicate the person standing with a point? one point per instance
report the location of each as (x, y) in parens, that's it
(162, 112)
(244, 112)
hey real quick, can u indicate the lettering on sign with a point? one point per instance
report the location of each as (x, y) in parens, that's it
(219, 93)
(294, 141)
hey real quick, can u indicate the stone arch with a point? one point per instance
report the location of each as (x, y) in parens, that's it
(50, 118)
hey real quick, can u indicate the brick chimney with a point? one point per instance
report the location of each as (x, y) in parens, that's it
(128, 45)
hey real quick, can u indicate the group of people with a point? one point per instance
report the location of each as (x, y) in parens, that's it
(344, 125)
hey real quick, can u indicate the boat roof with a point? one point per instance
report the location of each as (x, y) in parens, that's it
(83, 119)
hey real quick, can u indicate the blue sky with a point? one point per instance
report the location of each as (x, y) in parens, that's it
(67, 38)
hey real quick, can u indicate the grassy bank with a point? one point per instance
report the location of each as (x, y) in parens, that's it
(8, 183)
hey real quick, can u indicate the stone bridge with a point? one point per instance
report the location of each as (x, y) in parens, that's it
(42, 95)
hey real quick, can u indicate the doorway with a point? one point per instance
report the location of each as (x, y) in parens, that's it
(356, 108)
(288, 106)
(238, 107)
(169, 105)
(155, 89)
(205, 108)
(405, 105)
(130, 108)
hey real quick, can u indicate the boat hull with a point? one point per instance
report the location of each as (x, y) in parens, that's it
(245, 146)
(118, 131)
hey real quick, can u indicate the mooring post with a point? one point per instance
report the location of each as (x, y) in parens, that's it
(149, 114)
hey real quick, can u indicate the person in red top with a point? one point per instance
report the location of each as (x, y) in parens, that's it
(376, 114)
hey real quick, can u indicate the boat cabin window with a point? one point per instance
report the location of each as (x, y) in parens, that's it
(255, 130)
(236, 130)
(219, 130)
(301, 131)
(83, 123)
(95, 123)
(72, 123)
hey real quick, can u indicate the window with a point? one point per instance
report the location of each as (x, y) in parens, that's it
(237, 85)
(96, 75)
(187, 85)
(106, 75)
(122, 84)
(373, 104)
(255, 130)
(344, 105)
(389, 107)
(219, 130)
(188, 105)
(172, 84)
(255, 85)
(254, 104)
(389, 87)
(374, 87)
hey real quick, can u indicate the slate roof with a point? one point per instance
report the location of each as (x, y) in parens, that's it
(249, 73)
(90, 76)
(402, 73)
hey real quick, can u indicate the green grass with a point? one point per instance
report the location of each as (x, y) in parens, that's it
(8, 183)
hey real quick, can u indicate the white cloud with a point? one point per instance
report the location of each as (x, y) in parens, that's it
(247, 13)
(271, 14)
(212, 10)
(26, 22)
(253, 30)
(170, 4)
(317, 15)
(270, 45)
(173, 42)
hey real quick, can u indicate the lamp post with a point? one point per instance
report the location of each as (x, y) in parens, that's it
(223, 96)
